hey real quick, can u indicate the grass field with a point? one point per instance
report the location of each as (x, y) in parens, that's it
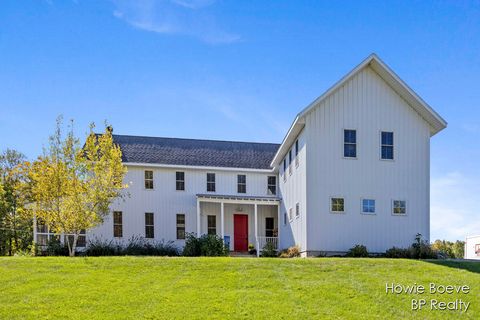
(190, 288)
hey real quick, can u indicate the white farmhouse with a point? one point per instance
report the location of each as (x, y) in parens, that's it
(472, 247)
(353, 169)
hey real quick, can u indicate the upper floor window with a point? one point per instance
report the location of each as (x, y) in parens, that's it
(180, 180)
(399, 207)
(387, 145)
(149, 226)
(337, 205)
(290, 213)
(242, 183)
(297, 210)
(290, 161)
(211, 182)
(180, 226)
(117, 224)
(296, 153)
(272, 185)
(368, 206)
(284, 169)
(350, 143)
(212, 224)
(148, 179)
(285, 218)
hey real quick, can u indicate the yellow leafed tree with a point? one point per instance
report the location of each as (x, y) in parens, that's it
(72, 187)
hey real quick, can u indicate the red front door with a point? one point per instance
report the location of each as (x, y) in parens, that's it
(240, 232)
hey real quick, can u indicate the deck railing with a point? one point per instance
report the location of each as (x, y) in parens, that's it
(262, 241)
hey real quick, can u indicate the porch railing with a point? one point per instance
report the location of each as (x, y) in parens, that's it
(262, 241)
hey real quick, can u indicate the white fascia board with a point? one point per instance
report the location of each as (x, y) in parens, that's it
(157, 165)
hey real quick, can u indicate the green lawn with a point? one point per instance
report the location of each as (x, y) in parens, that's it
(188, 288)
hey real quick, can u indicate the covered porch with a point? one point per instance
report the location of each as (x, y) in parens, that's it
(239, 220)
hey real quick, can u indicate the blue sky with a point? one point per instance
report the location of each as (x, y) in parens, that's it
(239, 70)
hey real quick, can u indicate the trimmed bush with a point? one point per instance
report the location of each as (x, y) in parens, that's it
(136, 246)
(359, 251)
(269, 251)
(209, 245)
(397, 253)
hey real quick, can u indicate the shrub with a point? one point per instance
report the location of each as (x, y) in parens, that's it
(56, 248)
(99, 247)
(136, 246)
(420, 249)
(292, 252)
(397, 253)
(358, 251)
(209, 245)
(192, 246)
(269, 250)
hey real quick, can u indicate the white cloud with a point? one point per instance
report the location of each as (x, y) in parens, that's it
(174, 17)
(454, 211)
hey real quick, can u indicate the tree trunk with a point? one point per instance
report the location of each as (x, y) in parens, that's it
(71, 249)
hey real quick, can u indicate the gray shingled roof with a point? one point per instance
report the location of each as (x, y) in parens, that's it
(191, 152)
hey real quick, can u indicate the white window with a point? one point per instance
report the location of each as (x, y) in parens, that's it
(296, 154)
(290, 162)
(180, 180)
(117, 224)
(297, 210)
(181, 226)
(290, 214)
(387, 145)
(210, 182)
(349, 143)
(212, 224)
(399, 207)
(337, 205)
(272, 185)
(149, 225)
(241, 183)
(368, 206)
(148, 179)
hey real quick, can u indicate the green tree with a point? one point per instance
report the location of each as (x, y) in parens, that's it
(15, 228)
(72, 187)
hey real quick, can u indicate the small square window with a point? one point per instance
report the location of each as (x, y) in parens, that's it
(337, 205)
(368, 206)
(399, 207)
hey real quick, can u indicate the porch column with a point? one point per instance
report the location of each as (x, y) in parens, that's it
(256, 229)
(198, 218)
(222, 219)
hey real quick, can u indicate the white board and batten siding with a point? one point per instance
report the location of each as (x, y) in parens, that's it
(367, 104)
(165, 202)
(292, 183)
